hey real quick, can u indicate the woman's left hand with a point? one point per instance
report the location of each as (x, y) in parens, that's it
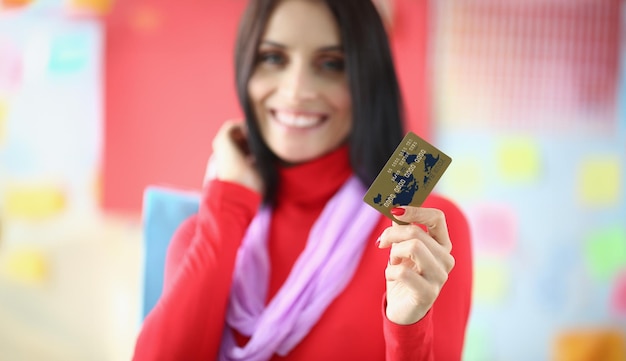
(419, 262)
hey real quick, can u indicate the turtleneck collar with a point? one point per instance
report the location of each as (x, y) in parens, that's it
(314, 181)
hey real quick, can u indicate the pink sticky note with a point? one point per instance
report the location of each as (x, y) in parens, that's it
(10, 66)
(495, 228)
(618, 295)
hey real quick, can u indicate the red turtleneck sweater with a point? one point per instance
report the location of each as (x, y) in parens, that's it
(188, 321)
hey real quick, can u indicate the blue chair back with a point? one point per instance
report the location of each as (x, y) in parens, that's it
(163, 211)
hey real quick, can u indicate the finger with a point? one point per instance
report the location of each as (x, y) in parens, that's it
(401, 273)
(218, 140)
(400, 233)
(218, 143)
(417, 256)
(211, 170)
(440, 253)
(411, 289)
(434, 219)
(407, 235)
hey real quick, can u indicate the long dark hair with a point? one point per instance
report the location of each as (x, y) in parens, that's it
(377, 125)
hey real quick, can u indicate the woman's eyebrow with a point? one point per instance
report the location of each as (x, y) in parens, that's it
(273, 43)
(337, 48)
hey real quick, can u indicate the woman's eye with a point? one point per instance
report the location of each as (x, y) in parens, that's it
(272, 58)
(332, 64)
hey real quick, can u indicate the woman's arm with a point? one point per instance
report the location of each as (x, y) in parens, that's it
(440, 333)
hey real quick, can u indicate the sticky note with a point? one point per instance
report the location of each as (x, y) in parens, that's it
(90, 7)
(34, 201)
(477, 344)
(491, 280)
(26, 266)
(606, 251)
(466, 177)
(600, 181)
(589, 345)
(10, 67)
(14, 3)
(494, 227)
(69, 52)
(518, 160)
(618, 295)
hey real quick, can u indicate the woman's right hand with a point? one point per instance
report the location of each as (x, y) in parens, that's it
(231, 160)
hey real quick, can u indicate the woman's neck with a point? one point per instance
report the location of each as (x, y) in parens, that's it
(316, 180)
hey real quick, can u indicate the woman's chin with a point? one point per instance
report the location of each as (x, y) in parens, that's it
(296, 156)
(294, 160)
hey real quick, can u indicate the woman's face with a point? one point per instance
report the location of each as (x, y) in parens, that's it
(299, 88)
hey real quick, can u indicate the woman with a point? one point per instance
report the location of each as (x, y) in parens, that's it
(284, 260)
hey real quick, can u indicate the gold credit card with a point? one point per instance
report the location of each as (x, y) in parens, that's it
(408, 177)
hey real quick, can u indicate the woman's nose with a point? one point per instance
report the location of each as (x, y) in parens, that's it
(297, 82)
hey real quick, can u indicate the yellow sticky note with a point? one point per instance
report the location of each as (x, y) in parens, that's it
(590, 345)
(466, 177)
(519, 160)
(34, 201)
(491, 280)
(600, 181)
(27, 266)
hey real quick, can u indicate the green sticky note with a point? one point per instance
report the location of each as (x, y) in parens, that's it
(477, 343)
(600, 181)
(519, 160)
(606, 251)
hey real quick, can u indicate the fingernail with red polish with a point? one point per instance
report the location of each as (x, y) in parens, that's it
(397, 211)
(378, 242)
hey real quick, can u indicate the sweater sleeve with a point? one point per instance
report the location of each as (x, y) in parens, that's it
(408, 342)
(188, 320)
(440, 335)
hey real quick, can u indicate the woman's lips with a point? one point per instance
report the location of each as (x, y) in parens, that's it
(298, 119)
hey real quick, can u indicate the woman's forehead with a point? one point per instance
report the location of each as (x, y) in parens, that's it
(302, 22)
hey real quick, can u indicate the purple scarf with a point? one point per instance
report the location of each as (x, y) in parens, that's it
(333, 250)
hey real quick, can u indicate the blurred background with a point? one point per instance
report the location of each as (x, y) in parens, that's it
(101, 98)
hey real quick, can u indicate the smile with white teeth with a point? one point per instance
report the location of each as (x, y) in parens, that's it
(297, 120)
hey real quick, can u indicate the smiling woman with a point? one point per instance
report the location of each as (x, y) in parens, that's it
(346, 35)
(283, 259)
(299, 89)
